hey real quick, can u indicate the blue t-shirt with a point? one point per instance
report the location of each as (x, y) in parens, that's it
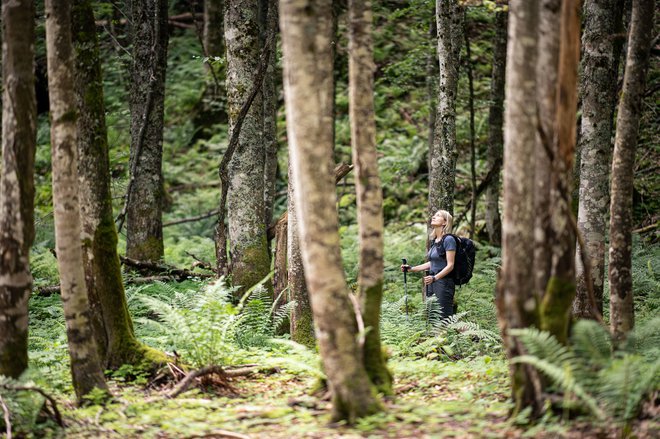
(438, 253)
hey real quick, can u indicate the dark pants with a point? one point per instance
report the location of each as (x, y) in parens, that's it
(443, 290)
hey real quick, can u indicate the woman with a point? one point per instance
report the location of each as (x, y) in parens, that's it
(441, 256)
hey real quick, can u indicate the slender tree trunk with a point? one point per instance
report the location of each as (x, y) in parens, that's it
(623, 161)
(19, 136)
(546, 71)
(495, 132)
(250, 261)
(516, 301)
(113, 328)
(213, 31)
(85, 365)
(473, 152)
(432, 76)
(560, 291)
(361, 69)
(599, 75)
(442, 174)
(269, 91)
(306, 34)
(144, 234)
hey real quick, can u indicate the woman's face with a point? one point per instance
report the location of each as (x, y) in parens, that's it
(438, 220)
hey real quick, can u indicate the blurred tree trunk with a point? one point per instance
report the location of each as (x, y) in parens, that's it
(598, 91)
(250, 261)
(495, 133)
(306, 34)
(144, 234)
(85, 365)
(113, 328)
(269, 90)
(516, 301)
(623, 161)
(473, 152)
(559, 294)
(19, 136)
(546, 71)
(442, 174)
(213, 31)
(368, 188)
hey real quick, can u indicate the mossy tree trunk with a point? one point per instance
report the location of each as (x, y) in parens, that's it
(442, 174)
(113, 328)
(623, 161)
(306, 34)
(602, 19)
(516, 301)
(560, 291)
(19, 136)
(144, 223)
(250, 261)
(85, 365)
(546, 72)
(361, 69)
(495, 133)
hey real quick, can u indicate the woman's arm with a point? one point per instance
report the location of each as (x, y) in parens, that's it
(422, 267)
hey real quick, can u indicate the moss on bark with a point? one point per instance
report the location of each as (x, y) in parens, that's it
(252, 266)
(374, 357)
(555, 310)
(303, 330)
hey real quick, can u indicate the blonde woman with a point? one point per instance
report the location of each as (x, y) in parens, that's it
(441, 257)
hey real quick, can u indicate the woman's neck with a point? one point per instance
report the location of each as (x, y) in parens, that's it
(439, 232)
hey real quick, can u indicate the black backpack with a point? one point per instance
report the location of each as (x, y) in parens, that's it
(465, 255)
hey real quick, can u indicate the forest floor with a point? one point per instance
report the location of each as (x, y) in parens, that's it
(463, 399)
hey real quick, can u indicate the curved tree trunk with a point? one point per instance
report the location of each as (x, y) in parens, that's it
(442, 174)
(599, 75)
(623, 161)
(546, 71)
(113, 328)
(19, 136)
(495, 132)
(144, 222)
(516, 301)
(367, 186)
(85, 365)
(306, 34)
(250, 261)
(560, 291)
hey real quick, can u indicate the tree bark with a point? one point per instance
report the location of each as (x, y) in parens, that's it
(306, 34)
(213, 30)
(442, 174)
(623, 160)
(560, 291)
(546, 71)
(144, 234)
(85, 365)
(516, 301)
(599, 75)
(473, 152)
(495, 133)
(113, 327)
(19, 136)
(368, 188)
(250, 261)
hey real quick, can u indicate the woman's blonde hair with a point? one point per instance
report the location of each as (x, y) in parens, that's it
(449, 222)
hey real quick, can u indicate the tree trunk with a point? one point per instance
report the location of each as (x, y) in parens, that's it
(213, 31)
(280, 278)
(495, 134)
(442, 174)
(546, 72)
(269, 90)
(306, 34)
(250, 261)
(560, 291)
(368, 188)
(473, 152)
(113, 328)
(144, 228)
(599, 75)
(623, 161)
(85, 365)
(516, 301)
(19, 136)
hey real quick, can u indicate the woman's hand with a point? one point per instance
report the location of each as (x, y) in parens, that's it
(405, 267)
(428, 280)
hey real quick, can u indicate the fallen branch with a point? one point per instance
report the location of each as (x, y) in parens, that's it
(201, 264)
(50, 399)
(55, 289)
(215, 434)
(207, 370)
(193, 218)
(647, 228)
(180, 273)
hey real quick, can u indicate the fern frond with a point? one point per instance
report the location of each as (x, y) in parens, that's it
(543, 345)
(591, 342)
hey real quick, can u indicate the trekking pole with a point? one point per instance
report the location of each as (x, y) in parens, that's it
(405, 282)
(427, 303)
